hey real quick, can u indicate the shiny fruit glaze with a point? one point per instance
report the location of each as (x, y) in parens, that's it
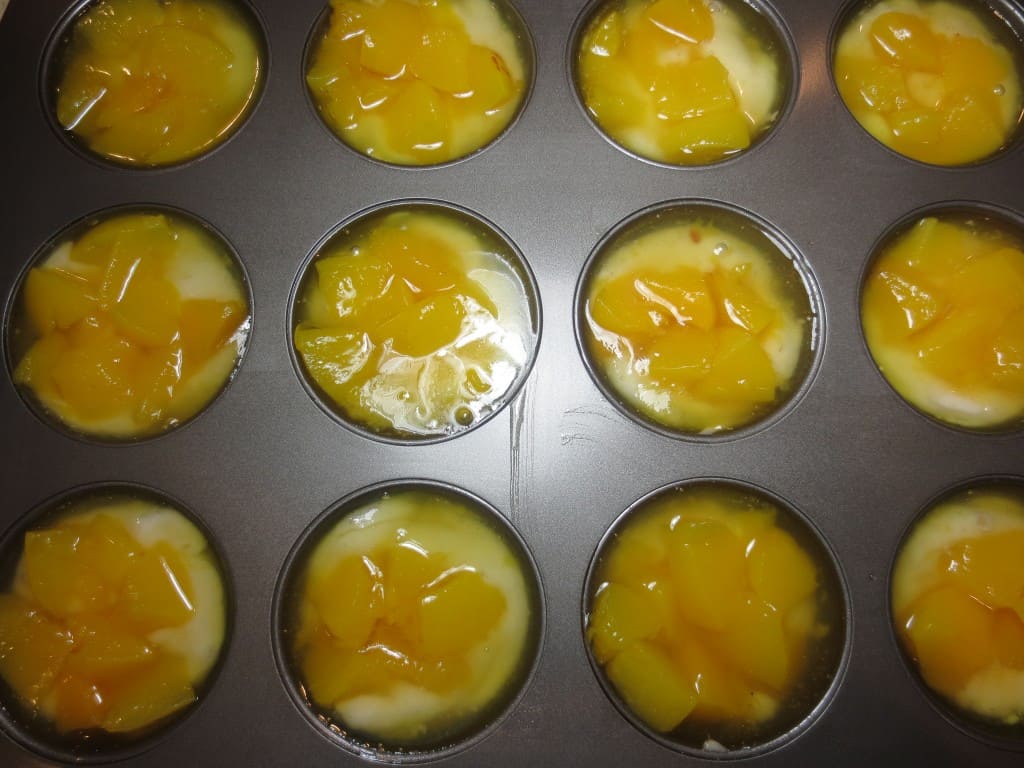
(417, 83)
(696, 328)
(412, 618)
(958, 602)
(685, 82)
(156, 82)
(943, 314)
(931, 80)
(704, 611)
(414, 325)
(114, 620)
(130, 328)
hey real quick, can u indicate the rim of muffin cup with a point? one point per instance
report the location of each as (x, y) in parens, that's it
(826, 557)
(1012, 18)
(50, 70)
(1005, 737)
(807, 369)
(33, 733)
(527, 47)
(69, 233)
(788, 59)
(1007, 220)
(495, 713)
(512, 256)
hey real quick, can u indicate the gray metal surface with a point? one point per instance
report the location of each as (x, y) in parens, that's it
(561, 462)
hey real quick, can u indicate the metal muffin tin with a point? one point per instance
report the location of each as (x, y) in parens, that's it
(559, 461)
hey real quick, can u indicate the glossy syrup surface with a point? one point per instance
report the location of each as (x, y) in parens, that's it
(129, 326)
(943, 314)
(114, 619)
(419, 83)
(697, 325)
(413, 622)
(414, 323)
(686, 82)
(715, 617)
(156, 82)
(958, 604)
(938, 82)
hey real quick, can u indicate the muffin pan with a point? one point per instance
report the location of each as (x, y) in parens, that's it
(559, 461)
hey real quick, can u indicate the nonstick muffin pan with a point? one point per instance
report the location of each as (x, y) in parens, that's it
(559, 461)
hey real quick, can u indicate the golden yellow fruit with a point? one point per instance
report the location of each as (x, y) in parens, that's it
(414, 325)
(414, 83)
(155, 82)
(677, 81)
(103, 631)
(131, 327)
(412, 616)
(703, 608)
(930, 80)
(941, 308)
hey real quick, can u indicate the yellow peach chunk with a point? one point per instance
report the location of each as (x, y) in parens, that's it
(621, 616)
(990, 568)
(416, 120)
(699, 87)
(689, 20)
(905, 40)
(408, 569)
(57, 299)
(708, 573)
(106, 648)
(333, 358)
(36, 367)
(683, 293)
(604, 36)
(490, 82)
(424, 327)
(79, 704)
(459, 613)
(781, 572)
(32, 648)
(710, 136)
(634, 557)
(740, 301)
(721, 695)
(971, 63)
(740, 371)
(756, 644)
(157, 589)
(442, 59)
(347, 600)
(206, 325)
(680, 356)
(149, 696)
(867, 84)
(618, 306)
(389, 38)
(651, 686)
(62, 577)
(951, 637)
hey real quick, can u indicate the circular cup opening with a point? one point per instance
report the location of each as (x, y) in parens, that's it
(221, 28)
(750, 33)
(985, 505)
(717, 249)
(925, 144)
(390, 359)
(753, 518)
(926, 277)
(39, 733)
(211, 325)
(415, 507)
(493, 24)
